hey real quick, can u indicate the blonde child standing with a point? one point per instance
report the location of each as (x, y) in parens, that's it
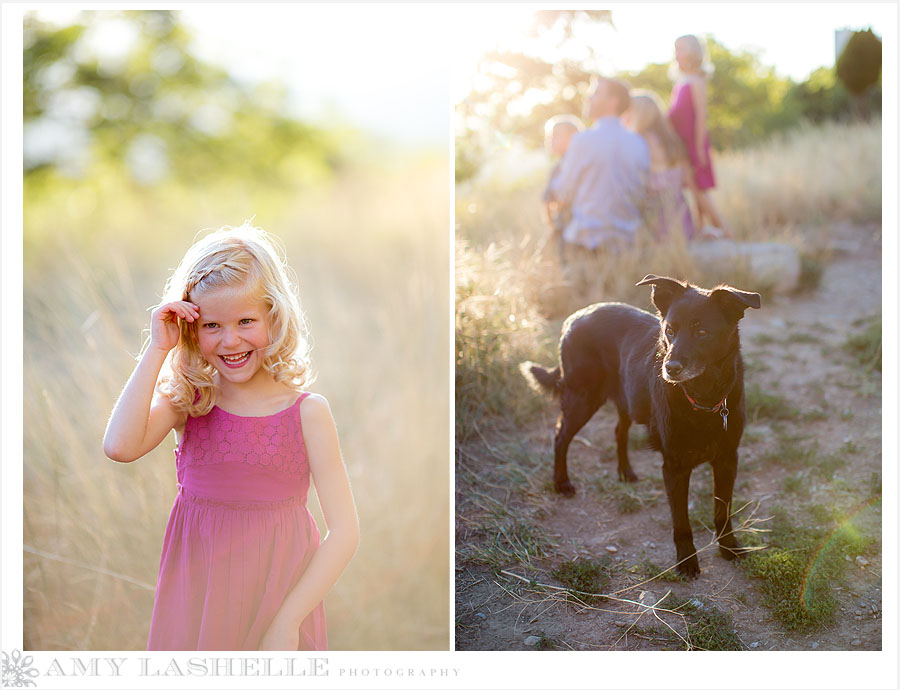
(687, 113)
(242, 566)
(558, 132)
(666, 208)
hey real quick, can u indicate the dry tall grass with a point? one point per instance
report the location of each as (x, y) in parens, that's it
(370, 252)
(807, 177)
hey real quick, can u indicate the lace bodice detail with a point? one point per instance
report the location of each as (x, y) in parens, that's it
(274, 441)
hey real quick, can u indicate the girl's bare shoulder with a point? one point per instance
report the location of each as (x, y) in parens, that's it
(315, 408)
(319, 428)
(697, 81)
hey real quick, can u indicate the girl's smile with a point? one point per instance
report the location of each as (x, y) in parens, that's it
(236, 361)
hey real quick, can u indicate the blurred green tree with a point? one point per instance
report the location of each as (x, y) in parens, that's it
(518, 91)
(747, 100)
(823, 97)
(859, 66)
(121, 91)
(521, 90)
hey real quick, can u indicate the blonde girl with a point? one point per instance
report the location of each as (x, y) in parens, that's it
(687, 113)
(558, 132)
(225, 367)
(667, 210)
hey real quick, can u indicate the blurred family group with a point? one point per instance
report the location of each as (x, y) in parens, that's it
(633, 167)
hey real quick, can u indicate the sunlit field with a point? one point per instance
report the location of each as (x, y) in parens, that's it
(370, 253)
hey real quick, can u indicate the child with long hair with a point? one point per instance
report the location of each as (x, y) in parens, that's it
(558, 132)
(687, 113)
(225, 367)
(666, 208)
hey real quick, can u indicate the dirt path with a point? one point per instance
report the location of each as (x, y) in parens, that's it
(510, 523)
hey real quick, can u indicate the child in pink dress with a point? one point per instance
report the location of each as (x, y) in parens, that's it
(687, 113)
(242, 567)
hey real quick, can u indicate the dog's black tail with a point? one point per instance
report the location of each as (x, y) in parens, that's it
(541, 379)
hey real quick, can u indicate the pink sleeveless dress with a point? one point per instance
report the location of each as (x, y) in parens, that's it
(684, 121)
(239, 536)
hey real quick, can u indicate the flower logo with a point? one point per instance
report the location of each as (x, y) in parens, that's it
(17, 671)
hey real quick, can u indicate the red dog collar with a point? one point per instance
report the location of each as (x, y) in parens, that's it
(721, 407)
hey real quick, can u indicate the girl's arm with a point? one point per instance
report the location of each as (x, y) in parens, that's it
(687, 175)
(698, 95)
(547, 213)
(139, 422)
(333, 489)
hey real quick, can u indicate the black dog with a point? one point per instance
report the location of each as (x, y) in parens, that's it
(680, 373)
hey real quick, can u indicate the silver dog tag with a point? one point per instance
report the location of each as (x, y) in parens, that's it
(724, 413)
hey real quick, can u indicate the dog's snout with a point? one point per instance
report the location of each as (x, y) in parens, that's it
(674, 367)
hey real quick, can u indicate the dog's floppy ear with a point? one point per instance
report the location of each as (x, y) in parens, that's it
(663, 292)
(733, 301)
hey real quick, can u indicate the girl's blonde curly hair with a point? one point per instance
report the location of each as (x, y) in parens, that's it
(248, 258)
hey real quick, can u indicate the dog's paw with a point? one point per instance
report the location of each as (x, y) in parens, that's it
(689, 568)
(628, 476)
(565, 488)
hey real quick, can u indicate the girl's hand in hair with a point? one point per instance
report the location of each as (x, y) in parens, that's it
(164, 328)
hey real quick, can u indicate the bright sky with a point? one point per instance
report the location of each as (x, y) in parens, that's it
(395, 69)
(380, 67)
